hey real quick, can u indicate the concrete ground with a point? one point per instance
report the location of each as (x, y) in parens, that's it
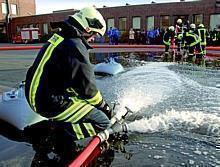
(13, 67)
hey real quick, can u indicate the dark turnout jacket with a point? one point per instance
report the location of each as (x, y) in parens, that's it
(61, 74)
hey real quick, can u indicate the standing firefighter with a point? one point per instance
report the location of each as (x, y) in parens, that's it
(203, 34)
(60, 85)
(193, 43)
(168, 39)
(179, 35)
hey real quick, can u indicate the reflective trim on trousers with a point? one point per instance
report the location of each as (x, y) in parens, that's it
(78, 131)
(90, 129)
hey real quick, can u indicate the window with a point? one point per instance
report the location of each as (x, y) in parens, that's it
(45, 28)
(164, 21)
(122, 23)
(13, 9)
(110, 23)
(197, 19)
(136, 22)
(150, 23)
(214, 21)
(4, 8)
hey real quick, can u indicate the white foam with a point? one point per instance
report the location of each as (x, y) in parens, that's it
(197, 122)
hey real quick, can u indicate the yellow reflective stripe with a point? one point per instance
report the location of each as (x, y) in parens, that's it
(69, 111)
(78, 131)
(80, 113)
(36, 78)
(166, 42)
(71, 90)
(194, 43)
(196, 40)
(90, 129)
(55, 40)
(96, 99)
(200, 35)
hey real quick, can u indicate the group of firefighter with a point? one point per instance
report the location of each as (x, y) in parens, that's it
(191, 43)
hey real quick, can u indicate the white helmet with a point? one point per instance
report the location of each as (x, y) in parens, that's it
(91, 20)
(201, 26)
(179, 21)
(192, 26)
(171, 28)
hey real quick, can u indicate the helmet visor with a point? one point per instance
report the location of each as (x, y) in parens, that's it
(94, 23)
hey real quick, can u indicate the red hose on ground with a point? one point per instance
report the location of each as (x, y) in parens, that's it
(86, 153)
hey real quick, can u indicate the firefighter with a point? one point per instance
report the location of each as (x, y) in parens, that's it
(179, 29)
(193, 44)
(214, 37)
(203, 34)
(168, 39)
(60, 85)
(192, 28)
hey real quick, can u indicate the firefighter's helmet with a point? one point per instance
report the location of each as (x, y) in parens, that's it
(192, 26)
(91, 20)
(171, 28)
(201, 26)
(179, 21)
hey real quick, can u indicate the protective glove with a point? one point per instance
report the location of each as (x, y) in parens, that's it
(119, 127)
(104, 135)
(106, 109)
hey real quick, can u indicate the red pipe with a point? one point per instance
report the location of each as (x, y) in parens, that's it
(213, 48)
(86, 153)
(19, 47)
(99, 46)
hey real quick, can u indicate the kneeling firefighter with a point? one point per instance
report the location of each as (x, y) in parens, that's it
(60, 85)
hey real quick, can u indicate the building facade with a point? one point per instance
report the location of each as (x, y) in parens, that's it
(10, 9)
(143, 16)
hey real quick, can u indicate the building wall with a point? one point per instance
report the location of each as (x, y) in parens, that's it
(24, 8)
(27, 7)
(205, 7)
(37, 20)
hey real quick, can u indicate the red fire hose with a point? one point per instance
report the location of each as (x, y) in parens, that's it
(89, 153)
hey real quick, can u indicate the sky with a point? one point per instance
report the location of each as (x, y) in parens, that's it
(48, 6)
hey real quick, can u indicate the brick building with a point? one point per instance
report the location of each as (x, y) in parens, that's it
(143, 16)
(14, 8)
